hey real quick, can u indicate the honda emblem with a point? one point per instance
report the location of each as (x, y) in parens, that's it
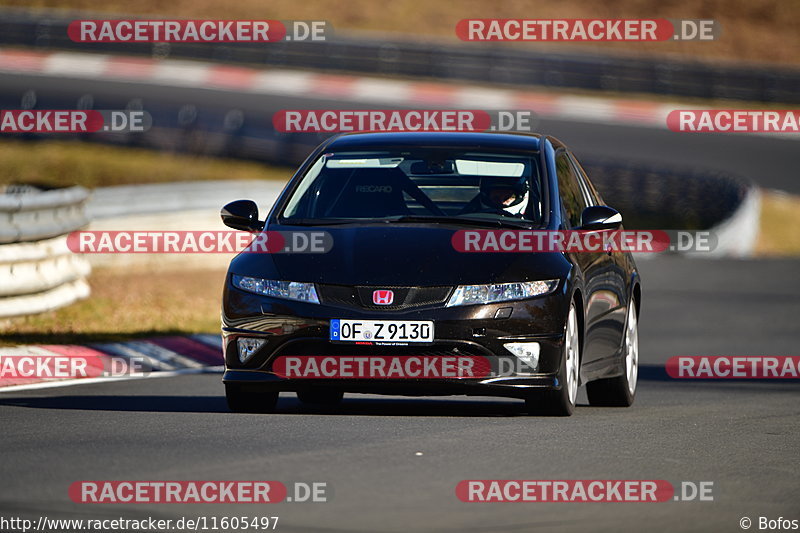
(382, 297)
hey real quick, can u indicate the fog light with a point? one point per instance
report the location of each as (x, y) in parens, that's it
(248, 346)
(526, 352)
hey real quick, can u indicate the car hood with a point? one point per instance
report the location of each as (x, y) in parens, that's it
(401, 255)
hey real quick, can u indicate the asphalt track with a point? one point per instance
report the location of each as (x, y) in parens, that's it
(392, 464)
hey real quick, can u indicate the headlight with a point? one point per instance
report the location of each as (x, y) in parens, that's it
(289, 290)
(502, 292)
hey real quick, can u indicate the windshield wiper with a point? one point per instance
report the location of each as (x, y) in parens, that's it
(461, 221)
(320, 221)
(457, 221)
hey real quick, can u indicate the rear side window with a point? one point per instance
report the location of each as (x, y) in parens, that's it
(570, 191)
(588, 186)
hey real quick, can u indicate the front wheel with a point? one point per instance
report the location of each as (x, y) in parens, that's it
(620, 391)
(562, 402)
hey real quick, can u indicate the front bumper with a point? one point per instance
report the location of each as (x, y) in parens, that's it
(511, 387)
(302, 329)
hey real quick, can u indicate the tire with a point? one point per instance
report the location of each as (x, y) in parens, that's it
(562, 402)
(240, 401)
(320, 397)
(620, 391)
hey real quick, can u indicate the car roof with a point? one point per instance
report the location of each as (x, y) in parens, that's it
(457, 140)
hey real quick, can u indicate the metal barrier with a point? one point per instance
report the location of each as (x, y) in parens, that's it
(481, 62)
(667, 198)
(683, 199)
(38, 272)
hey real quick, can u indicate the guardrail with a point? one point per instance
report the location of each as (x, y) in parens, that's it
(38, 272)
(658, 197)
(667, 198)
(480, 62)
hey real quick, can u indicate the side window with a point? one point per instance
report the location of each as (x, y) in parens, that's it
(570, 190)
(588, 188)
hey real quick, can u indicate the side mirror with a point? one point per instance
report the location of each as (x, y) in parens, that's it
(241, 214)
(600, 217)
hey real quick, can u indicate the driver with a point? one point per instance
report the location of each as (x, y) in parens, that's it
(504, 196)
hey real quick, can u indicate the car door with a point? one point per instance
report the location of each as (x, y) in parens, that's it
(607, 299)
(599, 297)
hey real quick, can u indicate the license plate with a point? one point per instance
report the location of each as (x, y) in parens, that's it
(345, 330)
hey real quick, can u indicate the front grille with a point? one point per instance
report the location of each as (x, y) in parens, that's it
(337, 295)
(404, 297)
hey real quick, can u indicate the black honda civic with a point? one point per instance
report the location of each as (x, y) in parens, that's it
(425, 278)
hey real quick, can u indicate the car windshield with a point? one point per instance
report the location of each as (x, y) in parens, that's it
(400, 186)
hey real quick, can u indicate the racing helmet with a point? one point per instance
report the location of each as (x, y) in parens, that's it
(503, 193)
